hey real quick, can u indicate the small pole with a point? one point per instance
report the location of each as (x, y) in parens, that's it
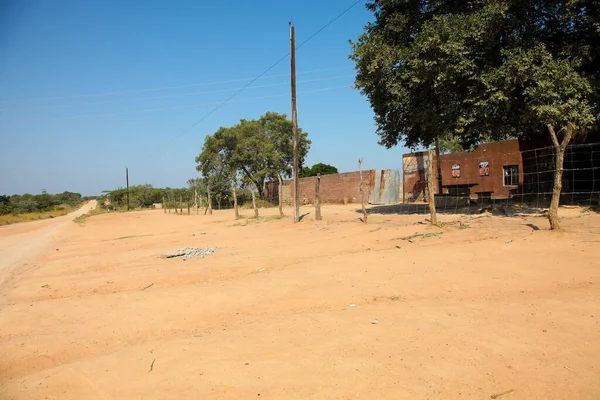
(294, 123)
(188, 204)
(164, 205)
(430, 187)
(235, 203)
(254, 204)
(280, 194)
(362, 190)
(318, 216)
(127, 179)
(209, 207)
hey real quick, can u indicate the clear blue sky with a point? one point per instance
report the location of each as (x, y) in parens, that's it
(67, 48)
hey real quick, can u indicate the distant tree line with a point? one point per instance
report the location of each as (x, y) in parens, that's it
(144, 196)
(27, 203)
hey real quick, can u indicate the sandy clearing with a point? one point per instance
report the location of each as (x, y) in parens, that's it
(286, 311)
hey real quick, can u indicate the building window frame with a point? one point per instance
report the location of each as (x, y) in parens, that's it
(510, 175)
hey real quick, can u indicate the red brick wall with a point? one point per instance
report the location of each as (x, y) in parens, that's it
(335, 188)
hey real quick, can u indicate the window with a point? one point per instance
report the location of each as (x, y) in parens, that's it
(511, 175)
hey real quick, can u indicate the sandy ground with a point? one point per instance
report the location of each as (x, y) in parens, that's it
(334, 309)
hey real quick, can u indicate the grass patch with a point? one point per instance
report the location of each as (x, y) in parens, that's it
(34, 216)
(259, 204)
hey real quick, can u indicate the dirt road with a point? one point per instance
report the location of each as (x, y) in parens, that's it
(22, 242)
(479, 307)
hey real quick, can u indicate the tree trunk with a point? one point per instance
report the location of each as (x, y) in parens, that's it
(235, 203)
(318, 216)
(254, 204)
(209, 205)
(280, 195)
(559, 158)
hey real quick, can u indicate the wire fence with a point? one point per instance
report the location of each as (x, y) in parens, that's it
(516, 182)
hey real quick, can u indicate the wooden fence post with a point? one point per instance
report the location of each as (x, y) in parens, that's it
(254, 203)
(318, 216)
(235, 203)
(430, 187)
(209, 206)
(280, 194)
(362, 190)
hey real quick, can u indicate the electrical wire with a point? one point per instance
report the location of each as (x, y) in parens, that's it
(161, 88)
(171, 95)
(174, 107)
(264, 72)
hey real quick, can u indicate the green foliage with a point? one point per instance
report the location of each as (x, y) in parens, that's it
(473, 71)
(39, 203)
(254, 151)
(320, 168)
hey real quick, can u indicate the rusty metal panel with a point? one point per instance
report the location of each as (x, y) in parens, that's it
(385, 187)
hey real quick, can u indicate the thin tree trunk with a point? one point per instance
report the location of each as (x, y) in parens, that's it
(209, 205)
(559, 159)
(280, 195)
(438, 168)
(164, 205)
(235, 203)
(188, 204)
(362, 191)
(318, 216)
(254, 203)
(431, 188)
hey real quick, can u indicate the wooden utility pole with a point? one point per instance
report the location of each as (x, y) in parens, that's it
(127, 180)
(318, 216)
(294, 123)
(362, 190)
(431, 187)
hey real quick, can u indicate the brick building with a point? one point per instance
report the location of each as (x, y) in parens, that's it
(491, 170)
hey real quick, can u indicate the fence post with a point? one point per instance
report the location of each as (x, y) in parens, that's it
(235, 203)
(318, 216)
(254, 203)
(209, 206)
(430, 187)
(362, 190)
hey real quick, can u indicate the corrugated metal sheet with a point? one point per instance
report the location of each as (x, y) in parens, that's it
(385, 187)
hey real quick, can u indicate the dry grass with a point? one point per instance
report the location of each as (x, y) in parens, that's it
(81, 219)
(34, 216)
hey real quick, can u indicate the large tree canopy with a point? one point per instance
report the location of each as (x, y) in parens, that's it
(255, 150)
(438, 69)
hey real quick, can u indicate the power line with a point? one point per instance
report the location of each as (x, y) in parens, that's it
(169, 96)
(160, 88)
(175, 107)
(264, 72)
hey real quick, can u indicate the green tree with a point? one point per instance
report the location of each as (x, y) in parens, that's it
(440, 70)
(320, 168)
(254, 150)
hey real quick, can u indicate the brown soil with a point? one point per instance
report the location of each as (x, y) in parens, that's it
(319, 310)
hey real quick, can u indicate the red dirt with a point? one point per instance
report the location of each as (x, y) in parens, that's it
(286, 311)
